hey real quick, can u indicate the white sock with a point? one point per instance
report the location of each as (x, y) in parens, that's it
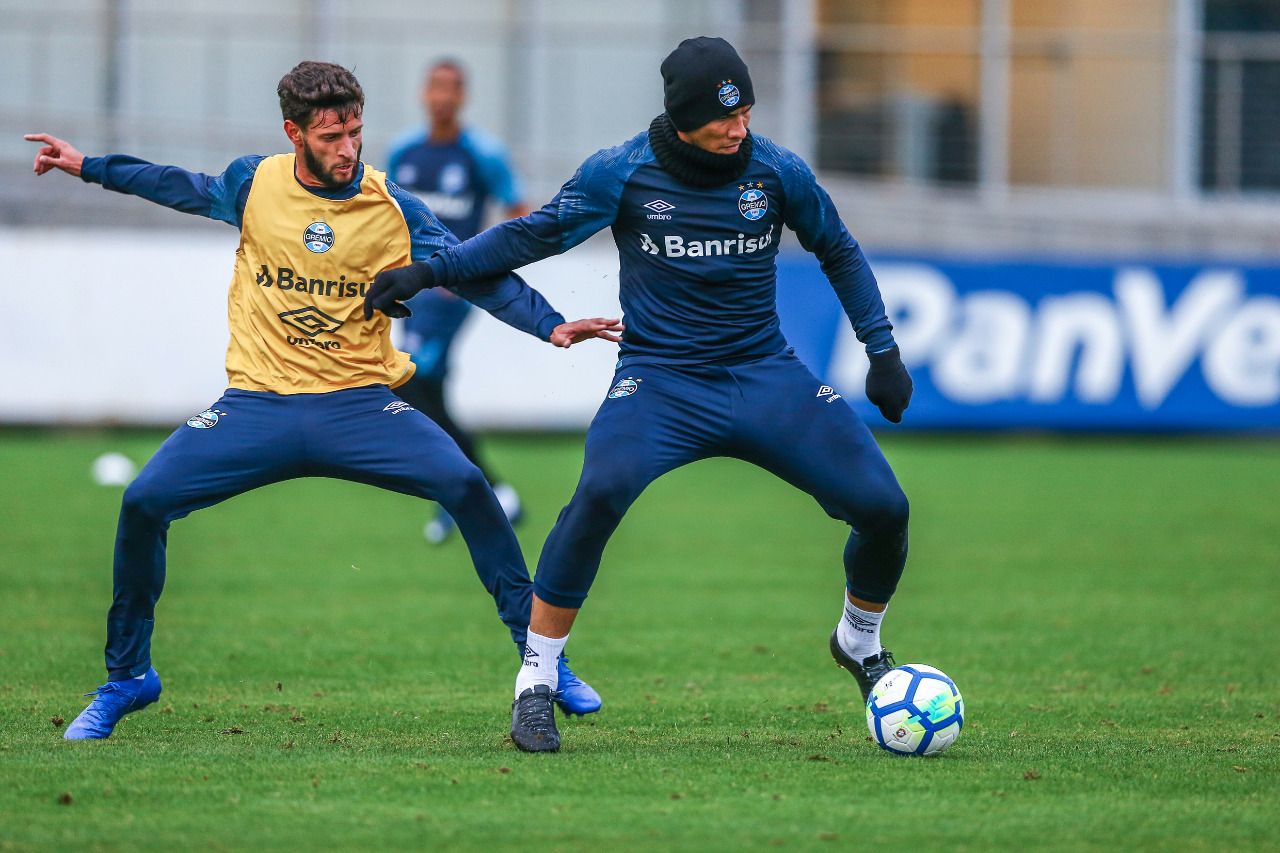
(541, 662)
(859, 631)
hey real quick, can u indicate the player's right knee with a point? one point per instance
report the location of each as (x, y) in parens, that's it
(604, 497)
(892, 511)
(146, 498)
(882, 511)
(463, 488)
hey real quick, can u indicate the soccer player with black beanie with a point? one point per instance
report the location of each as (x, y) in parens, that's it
(309, 375)
(697, 204)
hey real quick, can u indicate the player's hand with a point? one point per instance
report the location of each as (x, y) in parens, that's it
(392, 287)
(56, 154)
(888, 384)
(568, 334)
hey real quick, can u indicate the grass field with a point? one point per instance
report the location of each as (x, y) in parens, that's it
(1109, 607)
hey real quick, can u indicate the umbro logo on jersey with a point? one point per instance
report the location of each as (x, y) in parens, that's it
(828, 392)
(660, 208)
(397, 407)
(311, 320)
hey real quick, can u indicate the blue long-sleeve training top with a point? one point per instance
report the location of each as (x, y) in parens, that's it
(698, 276)
(223, 197)
(455, 179)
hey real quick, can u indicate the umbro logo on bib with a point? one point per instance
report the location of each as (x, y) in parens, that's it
(311, 321)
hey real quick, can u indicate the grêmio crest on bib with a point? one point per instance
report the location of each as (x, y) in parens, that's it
(318, 237)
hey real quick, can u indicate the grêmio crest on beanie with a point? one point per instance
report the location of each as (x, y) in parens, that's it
(702, 80)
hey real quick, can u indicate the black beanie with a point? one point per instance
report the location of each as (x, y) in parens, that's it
(702, 80)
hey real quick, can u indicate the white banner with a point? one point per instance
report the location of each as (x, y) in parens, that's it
(128, 327)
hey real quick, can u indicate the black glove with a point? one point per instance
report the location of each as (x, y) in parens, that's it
(392, 287)
(889, 384)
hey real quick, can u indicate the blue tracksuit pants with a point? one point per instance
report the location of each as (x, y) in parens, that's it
(250, 439)
(772, 413)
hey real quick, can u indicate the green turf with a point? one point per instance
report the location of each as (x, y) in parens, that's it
(1107, 606)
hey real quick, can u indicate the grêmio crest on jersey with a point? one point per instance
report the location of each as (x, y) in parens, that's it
(753, 203)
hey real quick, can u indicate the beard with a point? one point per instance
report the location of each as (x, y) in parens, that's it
(323, 175)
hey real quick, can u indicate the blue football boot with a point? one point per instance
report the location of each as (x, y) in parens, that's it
(114, 700)
(575, 696)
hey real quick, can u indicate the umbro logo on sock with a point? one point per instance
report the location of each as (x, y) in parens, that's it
(530, 657)
(866, 626)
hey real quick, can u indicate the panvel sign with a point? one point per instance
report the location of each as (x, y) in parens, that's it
(1076, 346)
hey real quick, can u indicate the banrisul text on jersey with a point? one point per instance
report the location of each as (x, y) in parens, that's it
(677, 246)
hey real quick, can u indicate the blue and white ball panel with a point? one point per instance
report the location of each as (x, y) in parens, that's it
(915, 710)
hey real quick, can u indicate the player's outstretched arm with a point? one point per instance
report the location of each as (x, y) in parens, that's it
(567, 334)
(392, 288)
(222, 198)
(56, 154)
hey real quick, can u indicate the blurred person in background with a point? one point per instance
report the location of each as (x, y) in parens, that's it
(697, 204)
(458, 171)
(310, 373)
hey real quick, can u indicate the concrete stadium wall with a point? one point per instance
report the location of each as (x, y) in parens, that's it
(131, 327)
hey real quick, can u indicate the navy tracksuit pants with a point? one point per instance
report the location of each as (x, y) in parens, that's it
(252, 438)
(772, 413)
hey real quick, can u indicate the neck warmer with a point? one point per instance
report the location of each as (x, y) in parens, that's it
(691, 165)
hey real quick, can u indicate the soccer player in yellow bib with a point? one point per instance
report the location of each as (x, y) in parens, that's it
(309, 376)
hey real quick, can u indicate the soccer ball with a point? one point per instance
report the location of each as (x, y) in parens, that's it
(915, 710)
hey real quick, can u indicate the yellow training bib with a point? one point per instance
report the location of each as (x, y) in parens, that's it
(296, 306)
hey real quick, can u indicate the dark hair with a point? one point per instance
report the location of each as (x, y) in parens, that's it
(447, 62)
(313, 87)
